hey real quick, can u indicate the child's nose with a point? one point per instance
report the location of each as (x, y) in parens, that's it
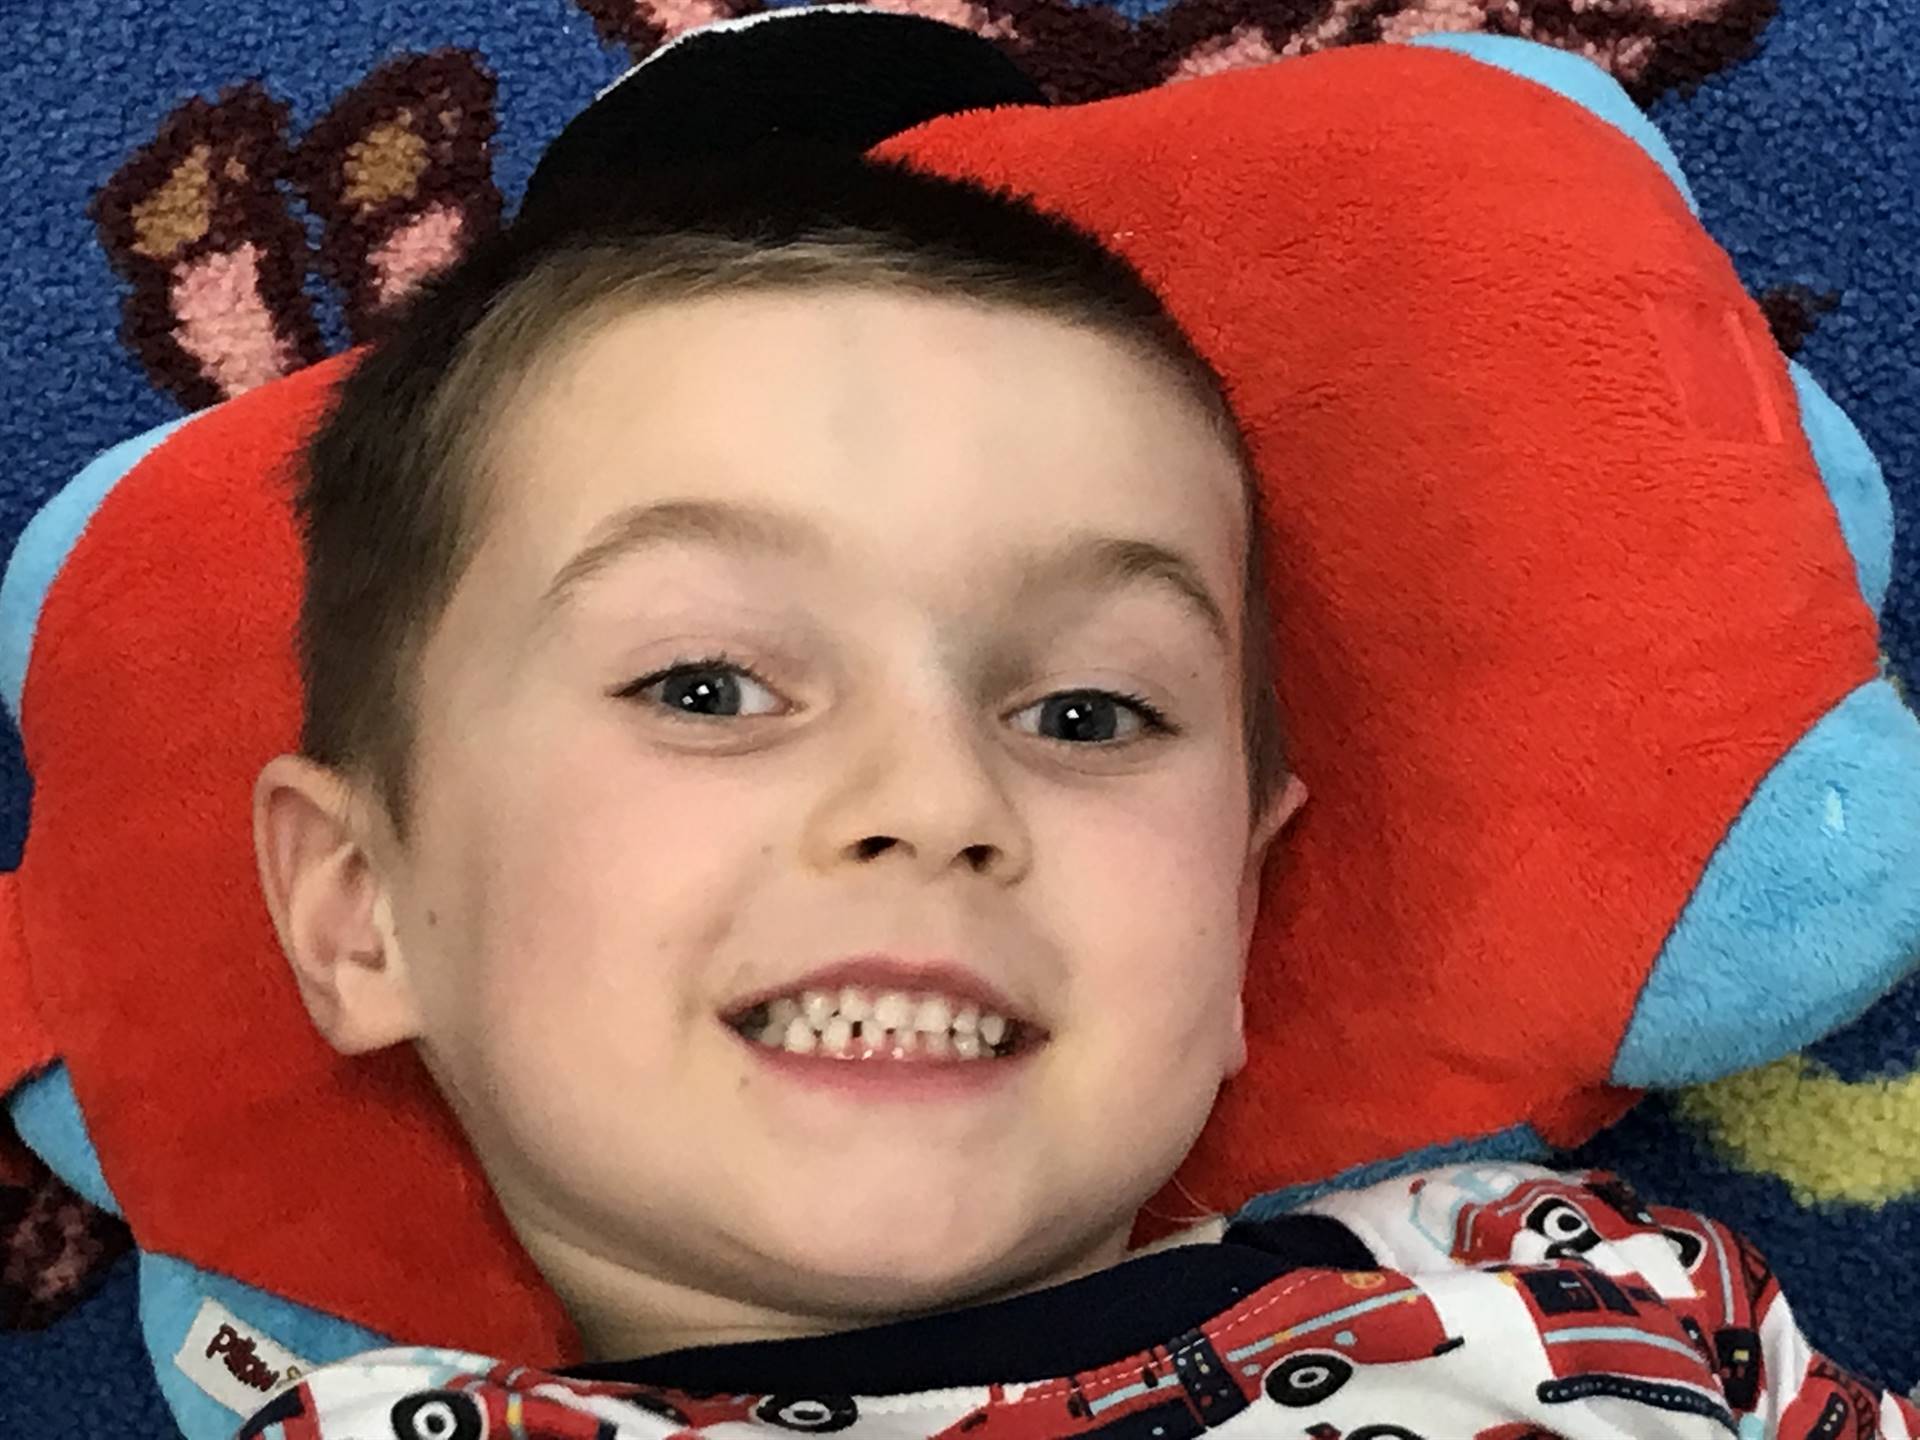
(926, 793)
(982, 858)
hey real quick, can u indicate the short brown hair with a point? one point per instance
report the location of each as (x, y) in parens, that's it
(396, 485)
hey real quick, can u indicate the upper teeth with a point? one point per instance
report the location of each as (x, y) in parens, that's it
(892, 1022)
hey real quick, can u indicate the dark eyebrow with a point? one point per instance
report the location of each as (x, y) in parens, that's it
(1099, 562)
(708, 522)
(1106, 562)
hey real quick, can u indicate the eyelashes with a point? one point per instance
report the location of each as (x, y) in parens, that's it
(1081, 710)
(714, 680)
(716, 688)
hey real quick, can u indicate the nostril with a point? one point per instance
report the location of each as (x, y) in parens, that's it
(978, 858)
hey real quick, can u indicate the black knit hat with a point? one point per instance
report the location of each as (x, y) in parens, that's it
(836, 79)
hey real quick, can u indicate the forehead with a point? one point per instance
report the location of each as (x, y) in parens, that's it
(929, 430)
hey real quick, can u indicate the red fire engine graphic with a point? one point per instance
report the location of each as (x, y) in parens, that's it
(1605, 1339)
(1609, 1334)
(1507, 1430)
(513, 1401)
(1565, 1217)
(1200, 1380)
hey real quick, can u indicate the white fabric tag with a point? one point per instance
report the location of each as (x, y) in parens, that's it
(233, 1361)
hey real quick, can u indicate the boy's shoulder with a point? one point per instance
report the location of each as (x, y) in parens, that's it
(1501, 1212)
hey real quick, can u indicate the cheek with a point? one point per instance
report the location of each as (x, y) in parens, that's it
(596, 888)
(1155, 974)
(1156, 889)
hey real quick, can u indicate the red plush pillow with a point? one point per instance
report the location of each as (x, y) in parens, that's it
(1557, 583)
(1556, 580)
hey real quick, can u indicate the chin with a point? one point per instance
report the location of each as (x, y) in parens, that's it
(880, 1257)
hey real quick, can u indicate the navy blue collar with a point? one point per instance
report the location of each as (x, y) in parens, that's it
(1080, 1325)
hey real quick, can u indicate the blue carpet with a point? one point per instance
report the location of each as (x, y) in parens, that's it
(1805, 156)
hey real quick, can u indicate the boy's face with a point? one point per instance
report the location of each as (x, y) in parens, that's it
(894, 529)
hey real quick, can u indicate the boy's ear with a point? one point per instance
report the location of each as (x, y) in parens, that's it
(1267, 826)
(330, 906)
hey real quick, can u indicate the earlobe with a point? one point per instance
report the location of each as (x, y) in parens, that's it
(330, 907)
(1239, 1059)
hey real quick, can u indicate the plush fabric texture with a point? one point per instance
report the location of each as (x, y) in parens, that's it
(1540, 504)
(267, 1099)
(1807, 1144)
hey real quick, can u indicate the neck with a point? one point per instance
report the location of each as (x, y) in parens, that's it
(626, 1312)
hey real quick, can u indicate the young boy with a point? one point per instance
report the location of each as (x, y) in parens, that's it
(788, 742)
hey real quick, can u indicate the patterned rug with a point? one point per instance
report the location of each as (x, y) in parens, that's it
(199, 198)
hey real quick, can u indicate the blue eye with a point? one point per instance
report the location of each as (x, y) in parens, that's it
(712, 689)
(717, 688)
(1093, 717)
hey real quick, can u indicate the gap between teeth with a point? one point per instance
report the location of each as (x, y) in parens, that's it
(846, 1024)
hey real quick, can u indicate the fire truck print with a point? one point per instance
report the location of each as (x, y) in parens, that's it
(1347, 1321)
(1833, 1405)
(1597, 1220)
(512, 1400)
(1569, 1217)
(1563, 1305)
(1619, 1341)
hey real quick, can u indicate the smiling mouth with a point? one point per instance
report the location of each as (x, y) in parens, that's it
(854, 1024)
